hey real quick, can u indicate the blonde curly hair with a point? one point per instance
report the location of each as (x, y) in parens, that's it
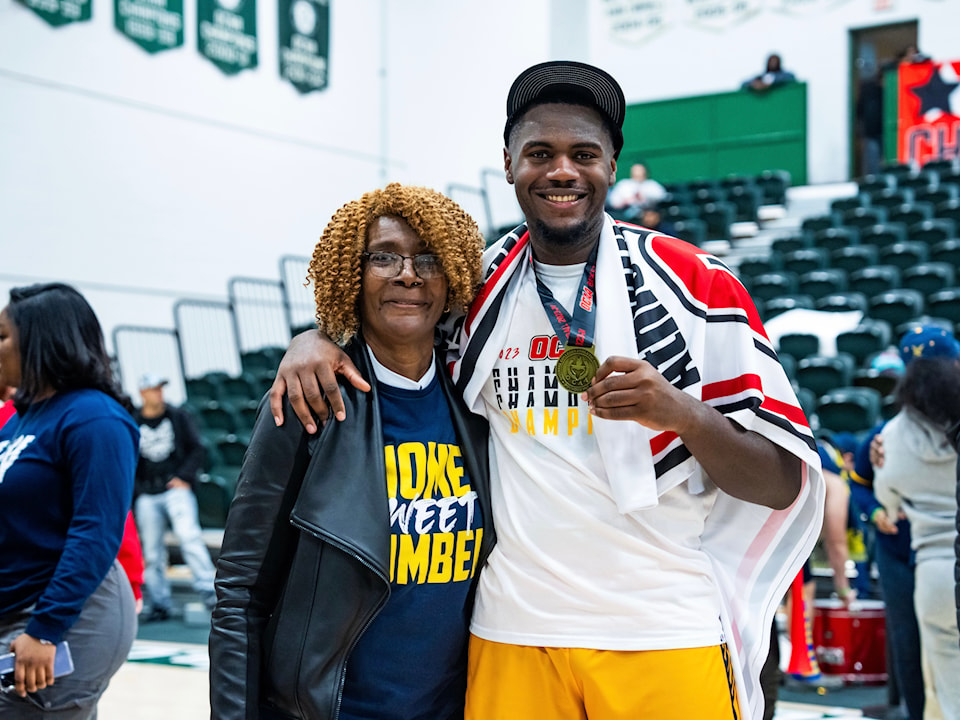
(444, 226)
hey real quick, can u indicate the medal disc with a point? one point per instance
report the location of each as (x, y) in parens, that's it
(576, 367)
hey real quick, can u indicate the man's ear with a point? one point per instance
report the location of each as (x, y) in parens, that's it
(507, 163)
(613, 172)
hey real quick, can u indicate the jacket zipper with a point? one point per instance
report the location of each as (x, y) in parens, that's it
(373, 616)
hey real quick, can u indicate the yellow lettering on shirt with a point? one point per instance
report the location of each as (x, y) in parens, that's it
(436, 558)
(411, 466)
(550, 422)
(441, 559)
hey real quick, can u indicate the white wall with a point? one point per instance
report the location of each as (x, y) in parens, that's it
(144, 178)
(122, 171)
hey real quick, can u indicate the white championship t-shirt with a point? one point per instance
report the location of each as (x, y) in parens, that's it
(569, 570)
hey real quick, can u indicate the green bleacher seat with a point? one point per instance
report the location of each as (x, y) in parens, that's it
(932, 231)
(910, 213)
(812, 225)
(822, 282)
(874, 279)
(876, 183)
(266, 358)
(896, 306)
(948, 210)
(834, 238)
(804, 260)
(782, 303)
(718, 216)
(239, 389)
(942, 194)
(203, 389)
(746, 200)
(750, 267)
(920, 181)
(772, 284)
(890, 197)
(693, 230)
(798, 344)
(848, 301)
(883, 234)
(945, 303)
(929, 277)
(773, 185)
(869, 337)
(849, 409)
(853, 257)
(789, 243)
(861, 217)
(214, 495)
(903, 255)
(882, 382)
(947, 251)
(840, 205)
(822, 373)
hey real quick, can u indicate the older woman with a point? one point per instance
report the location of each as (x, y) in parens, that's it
(67, 459)
(347, 572)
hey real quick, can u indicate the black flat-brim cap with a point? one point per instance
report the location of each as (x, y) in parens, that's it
(566, 80)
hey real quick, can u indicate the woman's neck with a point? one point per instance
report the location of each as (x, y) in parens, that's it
(410, 361)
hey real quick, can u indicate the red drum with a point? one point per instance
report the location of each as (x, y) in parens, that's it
(851, 643)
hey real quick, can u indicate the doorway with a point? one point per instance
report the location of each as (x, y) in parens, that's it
(873, 51)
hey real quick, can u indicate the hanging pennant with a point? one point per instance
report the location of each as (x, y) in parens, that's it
(227, 33)
(636, 22)
(154, 25)
(304, 27)
(61, 12)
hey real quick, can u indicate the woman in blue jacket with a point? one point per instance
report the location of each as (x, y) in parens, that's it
(67, 461)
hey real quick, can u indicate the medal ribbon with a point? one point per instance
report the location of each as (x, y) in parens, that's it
(577, 330)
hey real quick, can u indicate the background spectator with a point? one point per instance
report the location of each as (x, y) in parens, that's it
(171, 455)
(67, 460)
(630, 196)
(772, 76)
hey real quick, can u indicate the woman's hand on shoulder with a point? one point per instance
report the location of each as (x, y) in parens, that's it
(308, 377)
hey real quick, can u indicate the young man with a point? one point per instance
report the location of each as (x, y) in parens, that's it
(638, 564)
(171, 455)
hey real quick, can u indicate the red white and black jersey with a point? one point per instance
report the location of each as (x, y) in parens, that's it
(597, 484)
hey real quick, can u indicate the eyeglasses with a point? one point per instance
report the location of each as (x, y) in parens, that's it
(389, 264)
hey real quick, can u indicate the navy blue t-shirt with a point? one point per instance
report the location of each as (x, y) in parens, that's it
(410, 664)
(66, 481)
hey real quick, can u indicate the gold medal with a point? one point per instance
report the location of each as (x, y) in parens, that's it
(576, 367)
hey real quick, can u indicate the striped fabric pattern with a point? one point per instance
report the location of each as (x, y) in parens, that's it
(691, 318)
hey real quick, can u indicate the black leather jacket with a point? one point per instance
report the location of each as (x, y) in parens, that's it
(303, 570)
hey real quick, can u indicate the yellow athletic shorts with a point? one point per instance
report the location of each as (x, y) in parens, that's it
(519, 682)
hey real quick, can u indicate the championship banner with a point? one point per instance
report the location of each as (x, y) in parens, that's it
(154, 25)
(721, 14)
(227, 33)
(634, 22)
(928, 123)
(304, 27)
(61, 12)
(804, 7)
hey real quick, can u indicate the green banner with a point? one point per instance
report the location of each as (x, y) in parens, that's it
(227, 33)
(61, 12)
(154, 25)
(304, 27)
